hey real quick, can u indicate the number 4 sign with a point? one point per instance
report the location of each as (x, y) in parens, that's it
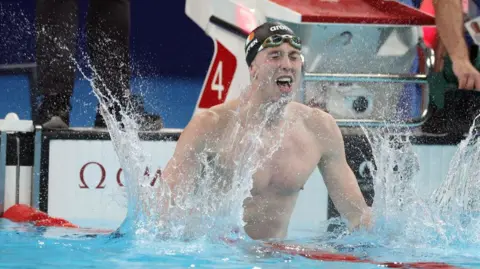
(217, 80)
(219, 77)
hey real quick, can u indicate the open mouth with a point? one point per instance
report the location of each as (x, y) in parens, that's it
(285, 83)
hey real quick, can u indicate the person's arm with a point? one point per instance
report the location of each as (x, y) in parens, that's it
(340, 180)
(449, 21)
(184, 165)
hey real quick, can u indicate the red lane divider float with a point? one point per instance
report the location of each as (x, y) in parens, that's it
(320, 255)
(25, 213)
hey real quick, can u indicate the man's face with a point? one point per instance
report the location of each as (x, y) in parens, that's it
(277, 71)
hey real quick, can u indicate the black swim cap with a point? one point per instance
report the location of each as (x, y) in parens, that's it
(256, 38)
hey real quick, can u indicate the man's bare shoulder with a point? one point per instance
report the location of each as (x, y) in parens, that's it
(225, 107)
(205, 117)
(213, 117)
(202, 123)
(325, 129)
(315, 119)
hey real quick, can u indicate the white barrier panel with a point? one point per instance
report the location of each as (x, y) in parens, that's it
(312, 206)
(85, 181)
(25, 185)
(85, 184)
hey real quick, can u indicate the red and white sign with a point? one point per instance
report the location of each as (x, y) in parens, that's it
(219, 77)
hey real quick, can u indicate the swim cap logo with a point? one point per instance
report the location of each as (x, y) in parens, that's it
(279, 27)
(255, 41)
(249, 38)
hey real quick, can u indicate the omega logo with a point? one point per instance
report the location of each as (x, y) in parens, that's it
(103, 176)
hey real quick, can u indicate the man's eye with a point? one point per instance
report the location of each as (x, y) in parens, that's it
(275, 55)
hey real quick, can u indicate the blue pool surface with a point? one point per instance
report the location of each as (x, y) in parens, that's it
(26, 246)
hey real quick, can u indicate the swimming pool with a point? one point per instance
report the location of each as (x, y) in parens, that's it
(26, 246)
(409, 233)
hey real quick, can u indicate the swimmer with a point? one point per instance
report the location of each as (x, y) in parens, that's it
(310, 139)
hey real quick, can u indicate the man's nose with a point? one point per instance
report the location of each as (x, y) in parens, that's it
(286, 63)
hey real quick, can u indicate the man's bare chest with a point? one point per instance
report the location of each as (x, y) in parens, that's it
(288, 169)
(278, 164)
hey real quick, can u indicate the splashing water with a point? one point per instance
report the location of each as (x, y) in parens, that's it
(215, 201)
(448, 216)
(215, 204)
(212, 204)
(457, 197)
(458, 191)
(126, 142)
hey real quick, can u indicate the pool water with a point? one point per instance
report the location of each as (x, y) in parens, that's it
(26, 246)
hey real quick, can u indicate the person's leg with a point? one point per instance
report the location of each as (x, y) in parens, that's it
(56, 28)
(108, 34)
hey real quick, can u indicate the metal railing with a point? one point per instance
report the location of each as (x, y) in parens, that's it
(37, 163)
(378, 78)
(3, 168)
(428, 57)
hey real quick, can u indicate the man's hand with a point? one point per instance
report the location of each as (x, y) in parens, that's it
(364, 222)
(468, 77)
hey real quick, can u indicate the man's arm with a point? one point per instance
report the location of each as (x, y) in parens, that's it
(182, 168)
(341, 183)
(449, 21)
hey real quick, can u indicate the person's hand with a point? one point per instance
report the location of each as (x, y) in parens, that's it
(364, 221)
(468, 77)
(367, 219)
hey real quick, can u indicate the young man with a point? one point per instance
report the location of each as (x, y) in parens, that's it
(295, 139)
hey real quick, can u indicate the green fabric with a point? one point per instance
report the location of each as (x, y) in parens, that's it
(437, 85)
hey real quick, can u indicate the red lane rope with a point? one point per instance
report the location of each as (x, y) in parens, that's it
(25, 213)
(320, 255)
